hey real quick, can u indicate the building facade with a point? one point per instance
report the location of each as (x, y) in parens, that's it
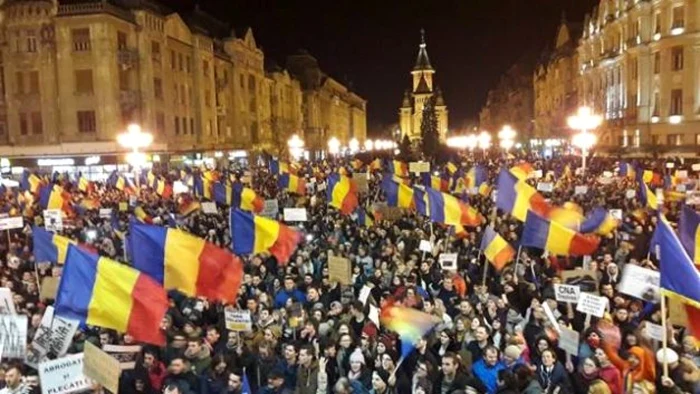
(74, 75)
(640, 68)
(414, 100)
(556, 83)
(511, 101)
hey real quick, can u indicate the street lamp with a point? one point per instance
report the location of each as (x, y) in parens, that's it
(484, 140)
(135, 139)
(506, 137)
(296, 147)
(354, 145)
(369, 145)
(584, 120)
(333, 146)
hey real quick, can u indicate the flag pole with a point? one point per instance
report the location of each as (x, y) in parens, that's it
(664, 336)
(517, 261)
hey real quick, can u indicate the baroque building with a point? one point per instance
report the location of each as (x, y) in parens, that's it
(511, 101)
(556, 82)
(640, 68)
(414, 100)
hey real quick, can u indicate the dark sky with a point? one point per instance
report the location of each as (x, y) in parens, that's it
(374, 43)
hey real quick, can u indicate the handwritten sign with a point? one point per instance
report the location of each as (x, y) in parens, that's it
(568, 341)
(126, 355)
(425, 246)
(13, 335)
(566, 293)
(448, 261)
(238, 320)
(616, 213)
(270, 209)
(654, 331)
(295, 215)
(419, 166)
(640, 282)
(592, 305)
(209, 208)
(581, 190)
(10, 223)
(340, 270)
(101, 367)
(7, 304)
(64, 375)
(545, 186)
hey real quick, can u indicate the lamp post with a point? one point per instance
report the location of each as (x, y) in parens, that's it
(369, 145)
(484, 141)
(507, 137)
(584, 121)
(134, 138)
(333, 146)
(296, 147)
(354, 145)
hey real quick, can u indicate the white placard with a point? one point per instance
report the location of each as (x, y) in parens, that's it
(374, 315)
(616, 213)
(365, 291)
(7, 304)
(537, 174)
(568, 341)
(630, 194)
(105, 213)
(670, 165)
(270, 209)
(42, 337)
(448, 261)
(692, 198)
(545, 186)
(683, 174)
(419, 166)
(13, 335)
(425, 246)
(295, 215)
(581, 190)
(591, 304)
(126, 354)
(209, 208)
(179, 187)
(550, 316)
(53, 220)
(321, 186)
(655, 331)
(607, 174)
(11, 223)
(62, 331)
(640, 282)
(238, 320)
(133, 200)
(64, 375)
(695, 167)
(567, 293)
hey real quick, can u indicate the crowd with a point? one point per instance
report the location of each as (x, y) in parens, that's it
(311, 335)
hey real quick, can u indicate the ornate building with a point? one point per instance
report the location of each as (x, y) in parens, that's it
(640, 68)
(556, 81)
(511, 101)
(411, 111)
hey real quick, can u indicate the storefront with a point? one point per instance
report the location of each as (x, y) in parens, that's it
(94, 168)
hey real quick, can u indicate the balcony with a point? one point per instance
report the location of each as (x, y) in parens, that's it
(100, 7)
(127, 57)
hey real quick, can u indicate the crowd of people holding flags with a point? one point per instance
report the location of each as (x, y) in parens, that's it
(480, 274)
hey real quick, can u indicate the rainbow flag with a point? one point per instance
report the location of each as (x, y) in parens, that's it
(496, 249)
(341, 193)
(184, 262)
(409, 323)
(600, 222)
(447, 209)
(689, 231)
(517, 197)
(398, 168)
(292, 184)
(245, 198)
(49, 246)
(555, 238)
(53, 197)
(101, 292)
(252, 234)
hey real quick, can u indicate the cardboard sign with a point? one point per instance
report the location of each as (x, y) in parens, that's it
(630, 194)
(390, 214)
(105, 213)
(133, 200)
(581, 190)
(566, 293)
(209, 208)
(340, 270)
(101, 367)
(42, 337)
(568, 341)
(425, 246)
(616, 213)
(7, 304)
(683, 174)
(448, 261)
(654, 331)
(49, 288)
(537, 174)
(640, 282)
(365, 292)
(545, 186)
(373, 315)
(270, 209)
(53, 220)
(126, 355)
(586, 280)
(361, 183)
(419, 166)
(591, 304)
(64, 375)
(11, 223)
(13, 335)
(123, 207)
(238, 320)
(295, 215)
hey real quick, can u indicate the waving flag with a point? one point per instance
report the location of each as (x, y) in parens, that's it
(84, 185)
(517, 197)
(397, 194)
(364, 218)
(496, 249)
(420, 201)
(555, 238)
(689, 229)
(53, 197)
(252, 234)
(679, 277)
(30, 182)
(101, 292)
(447, 209)
(292, 184)
(647, 197)
(600, 222)
(245, 198)
(399, 168)
(475, 177)
(49, 246)
(142, 216)
(409, 323)
(627, 170)
(223, 193)
(522, 171)
(342, 193)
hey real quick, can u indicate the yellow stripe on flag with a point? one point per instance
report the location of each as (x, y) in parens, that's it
(405, 197)
(179, 272)
(523, 193)
(61, 244)
(341, 189)
(559, 239)
(111, 301)
(495, 247)
(266, 233)
(453, 212)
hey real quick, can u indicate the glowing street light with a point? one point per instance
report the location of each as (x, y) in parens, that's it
(584, 120)
(369, 145)
(333, 146)
(135, 139)
(296, 147)
(484, 140)
(354, 145)
(506, 137)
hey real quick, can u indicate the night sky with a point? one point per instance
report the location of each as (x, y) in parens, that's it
(373, 44)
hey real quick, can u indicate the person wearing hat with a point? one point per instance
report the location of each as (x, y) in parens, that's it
(358, 369)
(380, 383)
(676, 382)
(511, 357)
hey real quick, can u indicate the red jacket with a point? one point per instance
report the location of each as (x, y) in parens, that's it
(612, 377)
(156, 374)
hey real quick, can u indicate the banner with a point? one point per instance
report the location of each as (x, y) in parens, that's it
(238, 320)
(641, 283)
(13, 335)
(566, 293)
(126, 355)
(101, 367)
(7, 304)
(63, 376)
(295, 215)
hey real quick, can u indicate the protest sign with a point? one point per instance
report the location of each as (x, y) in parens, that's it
(550, 315)
(640, 282)
(10, 223)
(581, 190)
(340, 270)
(105, 213)
(425, 246)
(374, 315)
(361, 183)
(681, 188)
(7, 304)
(209, 208)
(49, 288)
(389, 213)
(42, 336)
(448, 261)
(537, 174)
(101, 367)
(586, 280)
(654, 331)
(419, 166)
(566, 293)
(568, 341)
(13, 335)
(695, 167)
(53, 220)
(179, 187)
(545, 186)
(365, 292)
(682, 174)
(693, 198)
(630, 194)
(591, 304)
(62, 331)
(133, 200)
(126, 355)
(238, 320)
(123, 207)
(270, 209)
(616, 213)
(64, 375)
(295, 215)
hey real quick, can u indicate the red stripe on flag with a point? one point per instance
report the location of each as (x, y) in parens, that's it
(220, 273)
(150, 303)
(583, 244)
(285, 244)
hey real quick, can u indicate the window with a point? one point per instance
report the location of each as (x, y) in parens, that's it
(634, 68)
(656, 104)
(205, 68)
(177, 125)
(83, 81)
(657, 23)
(184, 125)
(183, 97)
(37, 126)
(123, 79)
(678, 17)
(121, 40)
(87, 122)
(155, 51)
(189, 64)
(637, 138)
(18, 41)
(192, 126)
(676, 102)
(31, 40)
(158, 88)
(677, 58)
(20, 82)
(172, 59)
(175, 96)
(23, 125)
(160, 123)
(81, 40)
(242, 81)
(179, 62)
(674, 139)
(34, 82)
(657, 62)
(207, 98)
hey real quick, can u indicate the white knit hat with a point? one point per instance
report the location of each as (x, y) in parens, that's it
(357, 357)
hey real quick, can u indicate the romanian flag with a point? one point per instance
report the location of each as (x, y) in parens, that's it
(627, 170)
(475, 177)
(223, 193)
(555, 238)
(142, 216)
(411, 325)
(496, 249)
(600, 222)
(163, 188)
(517, 197)
(184, 262)
(522, 171)
(689, 231)
(252, 234)
(84, 185)
(341, 193)
(679, 277)
(566, 216)
(53, 197)
(90, 203)
(397, 194)
(420, 201)
(399, 168)
(49, 246)
(30, 182)
(364, 218)
(375, 165)
(451, 167)
(101, 292)
(202, 187)
(647, 197)
(447, 209)
(187, 205)
(292, 184)
(280, 167)
(245, 198)
(436, 182)
(485, 189)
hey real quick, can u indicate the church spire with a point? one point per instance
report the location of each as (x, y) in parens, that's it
(422, 62)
